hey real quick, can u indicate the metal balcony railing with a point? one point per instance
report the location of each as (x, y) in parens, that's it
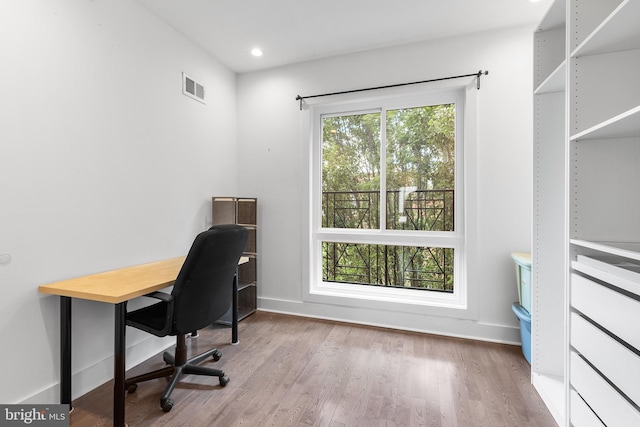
(384, 265)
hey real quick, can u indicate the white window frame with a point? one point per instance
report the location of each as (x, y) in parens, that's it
(456, 304)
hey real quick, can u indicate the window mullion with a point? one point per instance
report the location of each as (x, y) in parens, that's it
(383, 170)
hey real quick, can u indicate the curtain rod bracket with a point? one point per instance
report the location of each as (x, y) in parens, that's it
(299, 98)
(480, 73)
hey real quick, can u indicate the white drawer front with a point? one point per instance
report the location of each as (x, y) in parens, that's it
(581, 414)
(620, 273)
(614, 311)
(611, 407)
(615, 361)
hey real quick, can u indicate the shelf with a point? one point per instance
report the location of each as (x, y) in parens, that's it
(556, 81)
(242, 313)
(549, 48)
(554, 18)
(244, 285)
(619, 31)
(625, 125)
(629, 250)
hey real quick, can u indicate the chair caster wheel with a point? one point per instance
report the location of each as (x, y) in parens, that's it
(166, 404)
(216, 355)
(132, 388)
(224, 380)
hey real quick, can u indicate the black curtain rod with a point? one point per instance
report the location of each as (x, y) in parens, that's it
(478, 75)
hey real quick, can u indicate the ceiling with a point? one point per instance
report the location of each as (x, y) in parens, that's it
(290, 31)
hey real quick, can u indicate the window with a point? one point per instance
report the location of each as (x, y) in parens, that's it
(387, 218)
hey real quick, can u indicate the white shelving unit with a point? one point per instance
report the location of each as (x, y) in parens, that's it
(597, 204)
(548, 306)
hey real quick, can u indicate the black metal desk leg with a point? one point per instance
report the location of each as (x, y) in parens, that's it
(234, 310)
(65, 350)
(119, 364)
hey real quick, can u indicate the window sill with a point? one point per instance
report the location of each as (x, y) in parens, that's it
(428, 303)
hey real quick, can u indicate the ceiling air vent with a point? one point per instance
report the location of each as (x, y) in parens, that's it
(192, 88)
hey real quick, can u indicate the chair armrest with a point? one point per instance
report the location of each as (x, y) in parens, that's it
(149, 318)
(167, 298)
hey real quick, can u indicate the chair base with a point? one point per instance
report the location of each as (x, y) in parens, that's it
(179, 365)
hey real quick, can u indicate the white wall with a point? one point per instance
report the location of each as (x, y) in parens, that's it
(103, 164)
(274, 163)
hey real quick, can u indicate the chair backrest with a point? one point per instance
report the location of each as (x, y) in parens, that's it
(203, 289)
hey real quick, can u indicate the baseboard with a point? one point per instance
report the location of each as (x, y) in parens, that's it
(460, 328)
(100, 372)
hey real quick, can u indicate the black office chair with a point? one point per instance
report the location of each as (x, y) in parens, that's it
(202, 294)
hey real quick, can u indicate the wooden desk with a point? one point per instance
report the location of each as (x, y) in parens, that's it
(117, 287)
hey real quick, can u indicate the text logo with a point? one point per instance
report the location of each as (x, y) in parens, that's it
(34, 415)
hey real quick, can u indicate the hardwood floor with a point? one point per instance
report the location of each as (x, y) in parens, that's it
(292, 371)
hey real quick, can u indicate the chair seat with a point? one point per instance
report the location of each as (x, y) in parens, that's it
(151, 319)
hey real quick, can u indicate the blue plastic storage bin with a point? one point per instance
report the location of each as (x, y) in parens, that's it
(523, 277)
(525, 329)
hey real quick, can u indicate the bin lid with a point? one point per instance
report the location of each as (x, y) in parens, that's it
(521, 312)
(522, 258)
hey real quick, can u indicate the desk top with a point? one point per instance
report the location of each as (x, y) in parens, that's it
(123, 284)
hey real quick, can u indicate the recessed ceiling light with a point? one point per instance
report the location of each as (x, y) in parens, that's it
(256, 51)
